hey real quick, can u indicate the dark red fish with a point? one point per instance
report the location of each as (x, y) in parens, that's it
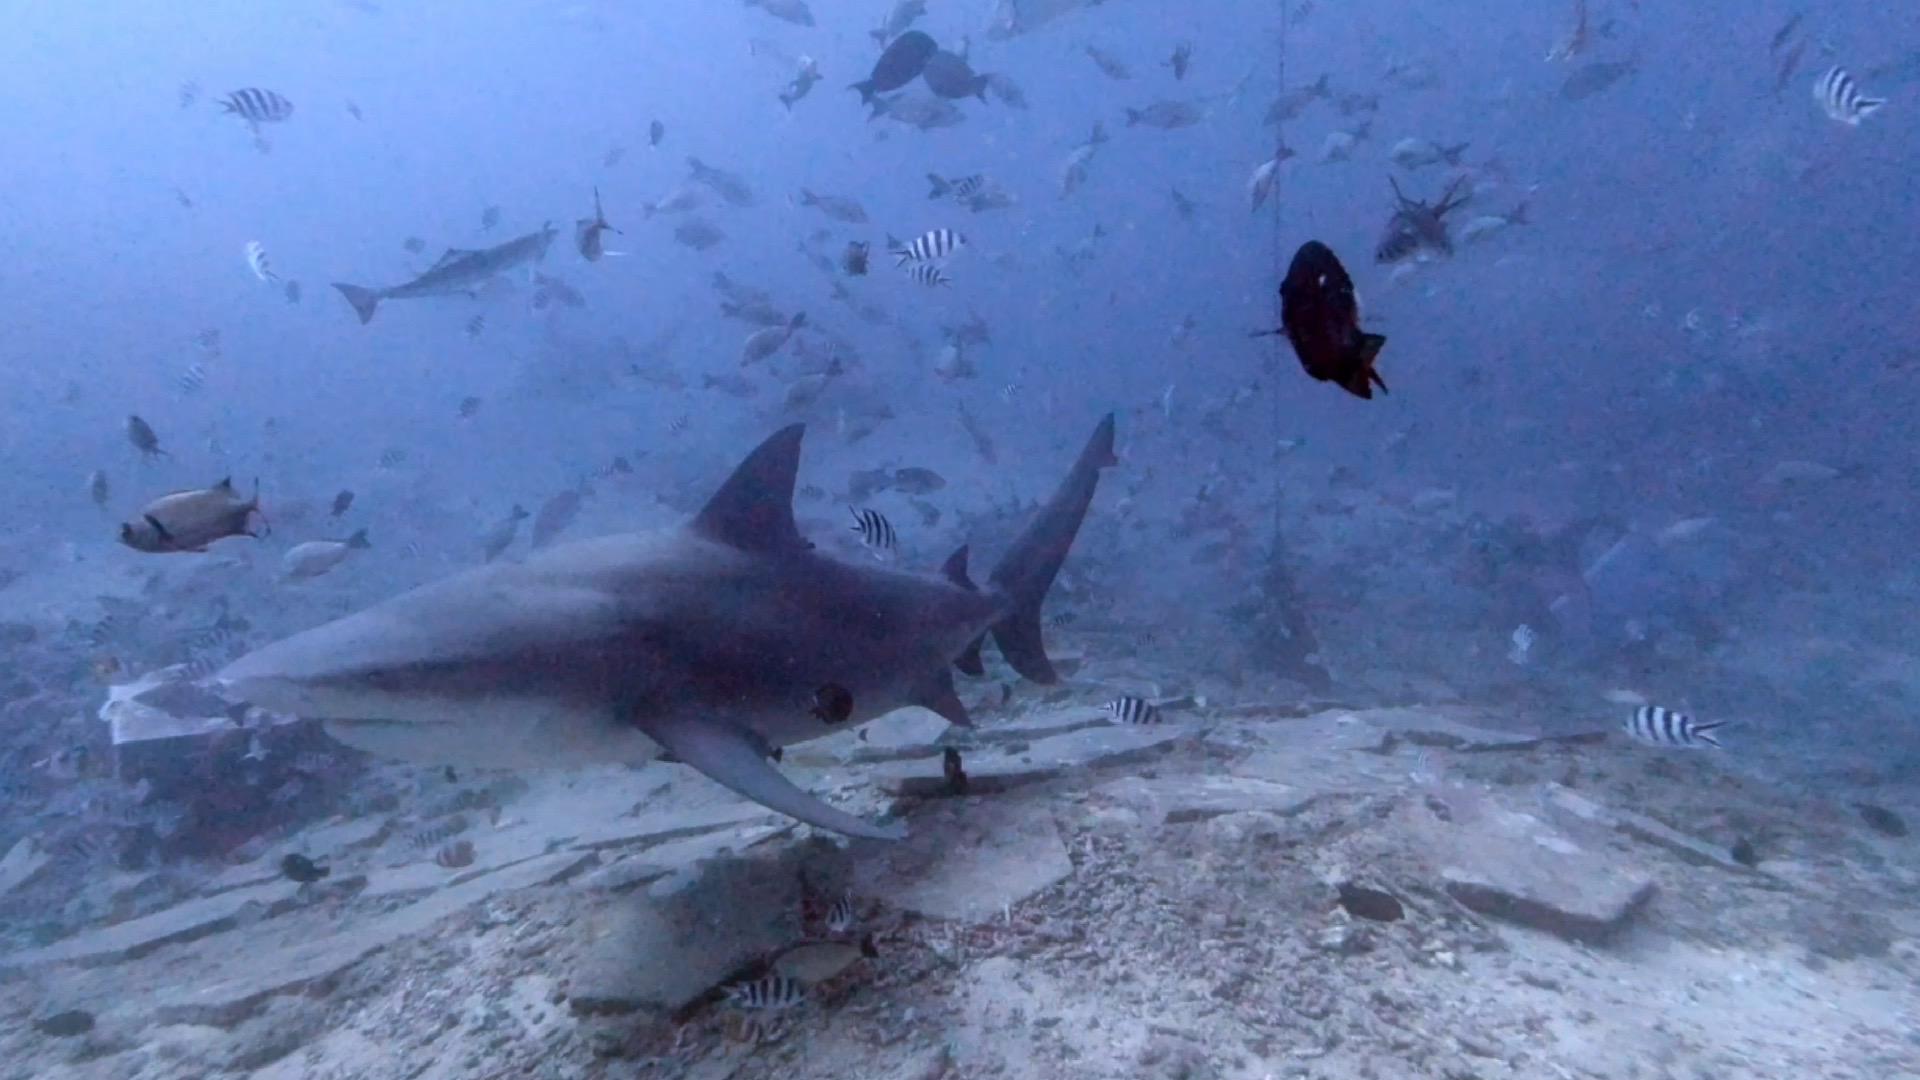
(1320, 316)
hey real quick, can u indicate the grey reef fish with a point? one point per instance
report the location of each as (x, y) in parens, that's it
(705, 642)
(460, 272)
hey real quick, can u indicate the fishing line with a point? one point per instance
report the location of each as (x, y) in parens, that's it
(1277, 359)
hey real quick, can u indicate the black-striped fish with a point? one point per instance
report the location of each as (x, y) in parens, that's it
(257, 107)
(928, 274)
(679, 424)
(257, 261)
(469, 407)
(840, 916)
(959, 189)
(875, 530)
(192, 379)
(1128, 709)
(1840, 98)
(767, 992)
(934, 244)
(1664, 727)
(475, 325)
(189, 93)
(392, 458)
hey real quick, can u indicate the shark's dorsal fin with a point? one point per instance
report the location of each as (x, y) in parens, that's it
(955, 570)
(451, 255)
(737, 760)
(753, 510)
(937, 695)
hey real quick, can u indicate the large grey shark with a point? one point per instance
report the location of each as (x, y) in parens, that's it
(717, 642)
(459, 271)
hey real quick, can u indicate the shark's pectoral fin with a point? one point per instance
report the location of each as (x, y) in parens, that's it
(738, 761)
(937, 694)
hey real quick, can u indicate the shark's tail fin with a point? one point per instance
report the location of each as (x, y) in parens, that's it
(1027, 570)
(364, 300)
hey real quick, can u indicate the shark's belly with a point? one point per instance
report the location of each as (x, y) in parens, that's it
(504, 733)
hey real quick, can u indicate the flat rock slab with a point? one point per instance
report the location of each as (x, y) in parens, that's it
(1646, 829)
(663, 948)
(1179, 799)
(224, 997)
(656, 828)
(1000, 768)
(22, 861)
(138, 937)
(966, 860)
(1511, 865)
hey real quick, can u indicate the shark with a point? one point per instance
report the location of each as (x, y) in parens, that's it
(714, 644)
(461, 271)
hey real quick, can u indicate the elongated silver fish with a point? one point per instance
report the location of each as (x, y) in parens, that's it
(459, 272)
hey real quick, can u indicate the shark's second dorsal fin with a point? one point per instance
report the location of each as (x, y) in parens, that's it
(753, 510)
(955, 570)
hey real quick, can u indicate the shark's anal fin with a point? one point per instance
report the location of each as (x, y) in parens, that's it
(736, 760)
(937, 695)
(753, 510)
(955, 570)
(969, 662)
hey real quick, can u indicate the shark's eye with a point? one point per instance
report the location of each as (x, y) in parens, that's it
(832, 703)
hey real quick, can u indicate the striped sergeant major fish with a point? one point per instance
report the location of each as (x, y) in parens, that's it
(960, 189)
(934, 244)
(258, 263)
(257, 106)
(1664, 727)
(1840, 98)
(1133, 710)
(928, 274)
(767, 992)
(875, 530)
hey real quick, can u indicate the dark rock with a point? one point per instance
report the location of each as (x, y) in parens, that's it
(65, 1025)
(1882, 820)
(1371, 904)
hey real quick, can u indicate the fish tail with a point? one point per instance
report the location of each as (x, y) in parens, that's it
(1027, 570)
(1518, 216)
(1323, 86)
(865, 86)
(940, 187)
(359, 540)
(1133, 117)
(1703, 732)
(364, 300)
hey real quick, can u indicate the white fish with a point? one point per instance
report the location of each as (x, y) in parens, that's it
(1840, 98)
(1260, 184)
(1412, 153)
(1799, 472)
(257, 261)
(316, 557)
(1522, 649)
(1486, 226)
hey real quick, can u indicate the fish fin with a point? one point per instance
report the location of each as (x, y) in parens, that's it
(159, 530)
(225, 484)
(364, 300)
(359, 540)
(969, 662)
(955, 569)
(753, 510)
(865, 86)
(1370, 346)
(1703, 733)
(737, 761)
(1027, 570)
(938, 696)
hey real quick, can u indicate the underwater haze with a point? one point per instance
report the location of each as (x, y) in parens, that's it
(959, 538)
